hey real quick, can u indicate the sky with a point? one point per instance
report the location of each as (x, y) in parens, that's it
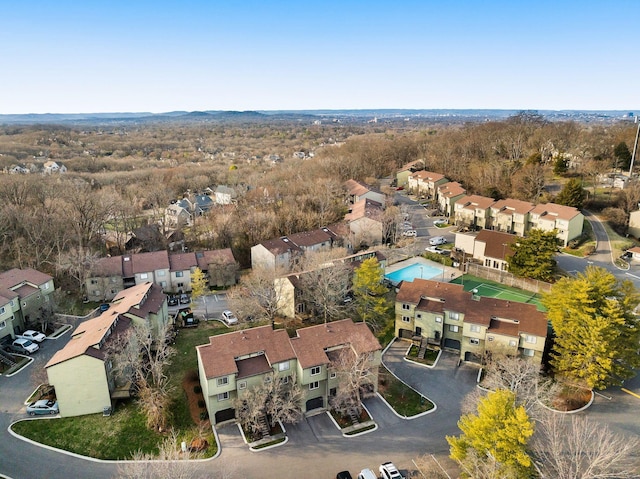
(157, 56)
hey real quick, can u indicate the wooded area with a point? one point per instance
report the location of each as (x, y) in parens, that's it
(122, 177)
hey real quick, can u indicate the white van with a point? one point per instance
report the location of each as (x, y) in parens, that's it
(367, 474)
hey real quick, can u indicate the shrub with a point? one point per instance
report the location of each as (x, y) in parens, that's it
(204, 415)
(197, 389)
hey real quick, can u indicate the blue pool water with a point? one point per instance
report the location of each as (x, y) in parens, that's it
(416, 270)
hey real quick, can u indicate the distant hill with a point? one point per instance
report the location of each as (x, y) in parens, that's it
(365, 115)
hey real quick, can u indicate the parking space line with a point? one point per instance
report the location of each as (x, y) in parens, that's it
(630, 392)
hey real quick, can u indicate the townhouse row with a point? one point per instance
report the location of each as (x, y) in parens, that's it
(445, 316)
(24, 293)
(172, 272)
(479, 212)
(232, 364)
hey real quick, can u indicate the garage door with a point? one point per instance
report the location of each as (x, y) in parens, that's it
(452, 344)
(225, 415)
(315, 403)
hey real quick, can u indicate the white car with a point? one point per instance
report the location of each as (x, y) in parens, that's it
(437, 240)
(229, 318)
(24, 346)
(410, 233)
(441, 221)
(435, 249)
(389, 471)
(34, 336)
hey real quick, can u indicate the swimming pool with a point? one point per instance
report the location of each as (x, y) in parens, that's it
(416, 270)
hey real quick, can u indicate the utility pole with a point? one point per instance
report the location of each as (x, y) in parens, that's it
(635, 148)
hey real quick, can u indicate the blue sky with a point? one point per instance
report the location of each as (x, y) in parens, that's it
(137, 55)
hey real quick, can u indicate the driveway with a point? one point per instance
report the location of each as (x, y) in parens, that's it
(314, 444)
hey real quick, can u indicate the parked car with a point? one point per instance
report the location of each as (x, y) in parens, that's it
(103, 307)
(437, 240)
(344, 475)
(184, 298)
(389, 471)
(229, 318)
(42, 407)
(172, 300)
(410, 233)
(35, 336)
(24, 346)
(367, 474)
(435, 249)
(441, 221)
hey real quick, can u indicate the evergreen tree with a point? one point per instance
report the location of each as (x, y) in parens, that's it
(622, 156)
(596, 332)
(572, 194)
(534, 256)
(495, 438)
(561, 165)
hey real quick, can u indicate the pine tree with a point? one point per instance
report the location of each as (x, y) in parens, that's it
(497, 436)
(534, 256)
(572, 194)
(596, 332)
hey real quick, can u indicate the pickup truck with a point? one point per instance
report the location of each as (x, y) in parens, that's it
(35, 336)
(24, 346)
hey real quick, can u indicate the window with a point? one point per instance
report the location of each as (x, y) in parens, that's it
(94, 281)
(223, 396)
(475, 328)
(315, 370)
(179, 274)
(419, 316)
(453, 328)
(405, 306)
(406, 319)
(314, 385)
(163, 284)
(528, 352)
(283, 366)
(242, 385)
(46, 286)
(530, 339)
(333, 375)
(513, 342)
(489, 338)
(144, 275)
(453, 315)
(161, 272)
(475, 341)
(438, 319)
(3, 324)
(222, 381)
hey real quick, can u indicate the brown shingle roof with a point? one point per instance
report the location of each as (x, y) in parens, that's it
(307, 239)
(182, 261)
(355, 188)
(252, 366)
(146, 262)
(219, 356)
(216, 257)
(92, 331)
(451, 189)
(106, 267)
(363, 208)
(280, 245)
(557, 211)
(510, 206)
(495, 241)
(13, 277)
(311, 342)
(473, 202)
(428, 176)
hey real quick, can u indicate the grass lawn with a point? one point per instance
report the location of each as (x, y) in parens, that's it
(125, 431)
(115, 437)
(404, 400)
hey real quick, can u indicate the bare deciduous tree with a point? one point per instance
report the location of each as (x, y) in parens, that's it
(354, 374)
(578, 448)
(257, 295)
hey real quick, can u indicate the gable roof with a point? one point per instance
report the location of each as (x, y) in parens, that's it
(364, 208)
(554, 211)
(307, 239)
(494, 243)
(92, 332)
(355, 188)
(451, 189)
(311, 343)
(11, 280)
(214, 257)
(473, 202)
(428, 176)
(512, 206)
(219, 356)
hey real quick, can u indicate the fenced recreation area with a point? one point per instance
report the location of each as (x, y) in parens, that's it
(491, 289)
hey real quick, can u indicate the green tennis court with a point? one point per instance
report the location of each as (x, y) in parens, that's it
(491, 289)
